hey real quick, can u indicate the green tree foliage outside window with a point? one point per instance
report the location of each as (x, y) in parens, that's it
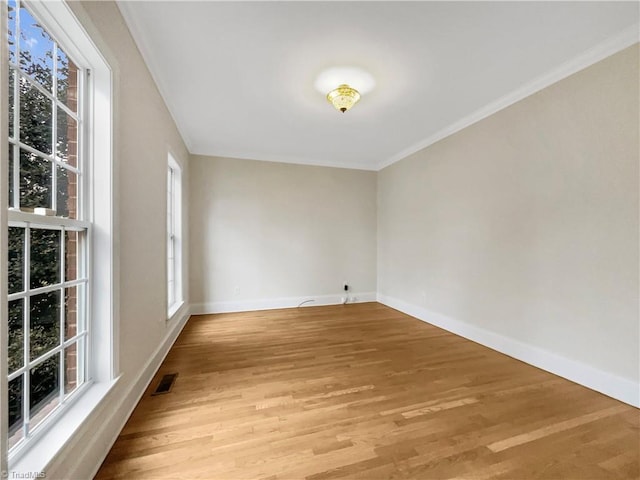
(36, 190)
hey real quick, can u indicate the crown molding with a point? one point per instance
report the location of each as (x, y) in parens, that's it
(126, 10)
(609, 47)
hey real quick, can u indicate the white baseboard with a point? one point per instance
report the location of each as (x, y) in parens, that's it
(611, 385)
(91, 445)
(273, 303)
(101, 433)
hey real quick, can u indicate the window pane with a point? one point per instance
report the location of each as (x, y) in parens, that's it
(36, 112)
(15, 411)
(67, 81)
(16, 334)
(11, 6)
(67, 141)
(171, 242)
(70, 312)
(70, 368)
(45, 388)
(171, 271)
(45, 257)
(10, 176)
(16, 259)
(35, 181)
(45, 323)
(12, 74)
(67, 193)
(71, 261)
(36, 50)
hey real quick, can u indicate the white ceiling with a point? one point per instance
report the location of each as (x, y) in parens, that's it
(238, 77)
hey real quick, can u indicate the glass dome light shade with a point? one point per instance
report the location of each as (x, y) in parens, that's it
(343, 98)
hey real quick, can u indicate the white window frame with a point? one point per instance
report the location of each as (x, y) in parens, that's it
(29, 222)
(101, 367)
(175, 297)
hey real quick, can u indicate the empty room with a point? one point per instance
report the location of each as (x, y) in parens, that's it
(320, 240)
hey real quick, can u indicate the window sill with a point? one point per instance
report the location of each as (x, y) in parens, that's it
(40, 452)
(174, 309)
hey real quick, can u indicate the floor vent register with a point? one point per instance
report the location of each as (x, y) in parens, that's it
(165, 384)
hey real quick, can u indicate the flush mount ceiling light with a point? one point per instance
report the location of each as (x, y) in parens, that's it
(345, 85)
(343, 98)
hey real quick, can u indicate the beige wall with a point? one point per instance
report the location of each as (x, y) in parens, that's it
(262, 231)
(526, 223)
(143, 133)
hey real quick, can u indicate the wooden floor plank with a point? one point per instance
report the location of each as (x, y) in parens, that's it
(363, 391)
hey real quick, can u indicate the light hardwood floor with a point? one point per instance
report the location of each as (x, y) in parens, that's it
(364, 391)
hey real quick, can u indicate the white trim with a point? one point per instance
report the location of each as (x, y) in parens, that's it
(141, 41)
(4, 172)
(276, 158)
(93, 443)
(282, 302)
(612, 45)
(593, 55)
(620, 388)
(142, 44)
(177, 309)
(17, 217)
(619, 42)
(44, 448)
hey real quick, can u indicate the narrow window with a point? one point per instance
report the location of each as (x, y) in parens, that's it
(174, 237)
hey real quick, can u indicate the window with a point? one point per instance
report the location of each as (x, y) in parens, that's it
(174, 237)
(52, 166)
